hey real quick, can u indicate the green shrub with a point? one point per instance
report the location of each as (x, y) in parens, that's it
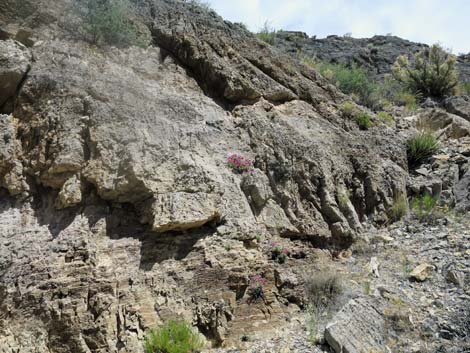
(421, 147)
(399, 208)
(267, 34)
(364, 121)
(108, 21)
(386, 117)
(173, 337)
(348, 109)
(432, 72)
(423, 207)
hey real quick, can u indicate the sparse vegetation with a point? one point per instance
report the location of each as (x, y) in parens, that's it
(109, 21)
(173, 337)
(240, 163)
(279, 253)
(421, 147)
(463, 88)
(267, 34)
(322, 291)
(204, 5)
(364, 121)
(399, 208)
(431, 73)
(348, 109)
(256, 288)
(423, 207)
(385, 117)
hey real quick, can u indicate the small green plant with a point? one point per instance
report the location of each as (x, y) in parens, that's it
(399, 208)
(109, 21)
(278, 253)
(173, 337)
(267, 34)
(364, 121)
(420, 147)
(245, 338)
(432, 72)
(348, 109)
(385, 117)
(367, 287)
(423, 207)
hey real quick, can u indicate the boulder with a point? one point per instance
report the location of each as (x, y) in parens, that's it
(15, 62)
(359, 327)
(459, 106)
(421, 272)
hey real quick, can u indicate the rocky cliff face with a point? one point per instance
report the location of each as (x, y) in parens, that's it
(376, 54)
(118, 210)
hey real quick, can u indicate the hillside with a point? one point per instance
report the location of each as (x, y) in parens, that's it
(172, 177)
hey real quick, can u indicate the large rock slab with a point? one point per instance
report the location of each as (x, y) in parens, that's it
(359, 327)
(15, 62)
(459, 106)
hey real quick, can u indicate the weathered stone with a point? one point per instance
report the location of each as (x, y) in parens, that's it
(358, 327)
(182, 211)
(70, 194)
(421, 272)
(459, 106)
(15, 62)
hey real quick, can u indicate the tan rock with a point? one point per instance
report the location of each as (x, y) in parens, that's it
(421, 272)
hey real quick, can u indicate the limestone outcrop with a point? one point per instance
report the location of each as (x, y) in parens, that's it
(118, 209)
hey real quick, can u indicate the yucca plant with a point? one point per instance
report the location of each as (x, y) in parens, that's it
(431, 73)
(420, 147)
(173, 337)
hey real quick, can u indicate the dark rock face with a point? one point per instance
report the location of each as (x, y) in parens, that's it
(376, 54)
(459, 106)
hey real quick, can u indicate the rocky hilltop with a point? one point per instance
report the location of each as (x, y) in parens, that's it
(119, 211)
(377, 54)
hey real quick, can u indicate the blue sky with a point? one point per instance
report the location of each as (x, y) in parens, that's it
(427, 21)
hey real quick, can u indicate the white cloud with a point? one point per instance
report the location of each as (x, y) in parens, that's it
(427, 21)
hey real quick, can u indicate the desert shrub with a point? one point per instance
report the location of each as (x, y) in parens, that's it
(240, 163)
(267, 34)
(420, 147)
(348, 109)
(399, 208)
(432, 72)
(322, 291)
(408, 100)
(350, 80)
(423, 207)
(385, 117)
(364, 121)
(173, 337)
(108, 21)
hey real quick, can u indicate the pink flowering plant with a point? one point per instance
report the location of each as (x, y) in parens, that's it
(240, 163)
(256, 289)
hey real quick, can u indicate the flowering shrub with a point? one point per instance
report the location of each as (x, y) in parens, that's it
(256, 289)
(240, 163)
(278, 253)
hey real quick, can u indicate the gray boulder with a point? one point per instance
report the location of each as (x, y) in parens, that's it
(15, 62)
